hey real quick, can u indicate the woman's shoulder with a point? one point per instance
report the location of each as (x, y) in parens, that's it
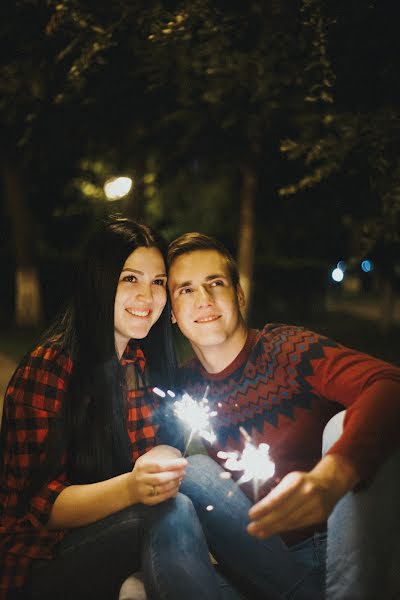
(50, 356)
(41, 377)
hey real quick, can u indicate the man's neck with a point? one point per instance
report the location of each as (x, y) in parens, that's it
(215, 359)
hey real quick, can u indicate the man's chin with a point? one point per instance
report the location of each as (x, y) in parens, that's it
(208, 340)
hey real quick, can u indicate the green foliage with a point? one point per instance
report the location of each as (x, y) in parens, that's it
(354, 135)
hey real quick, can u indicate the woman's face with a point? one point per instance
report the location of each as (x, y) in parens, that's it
(141, 296)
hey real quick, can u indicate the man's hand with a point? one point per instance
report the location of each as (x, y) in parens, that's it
(303, 499)
(156, 475)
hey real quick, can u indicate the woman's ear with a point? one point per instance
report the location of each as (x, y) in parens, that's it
(173, 320)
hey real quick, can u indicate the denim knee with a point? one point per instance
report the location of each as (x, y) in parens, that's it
(182, 506)
(203, 461)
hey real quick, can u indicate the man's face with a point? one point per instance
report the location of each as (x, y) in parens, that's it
(205, 303)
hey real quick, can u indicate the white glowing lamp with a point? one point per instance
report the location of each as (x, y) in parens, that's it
(117, 187)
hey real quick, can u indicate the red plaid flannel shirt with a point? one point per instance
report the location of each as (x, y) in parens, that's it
(34, 397)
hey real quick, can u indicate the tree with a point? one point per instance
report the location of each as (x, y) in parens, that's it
(353, 136)
(230, 77)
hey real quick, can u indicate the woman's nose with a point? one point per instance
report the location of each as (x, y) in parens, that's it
(144, 292)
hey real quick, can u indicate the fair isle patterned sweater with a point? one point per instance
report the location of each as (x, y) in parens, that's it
(285, 385)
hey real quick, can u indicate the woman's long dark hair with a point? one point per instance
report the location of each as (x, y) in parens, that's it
(93, 430)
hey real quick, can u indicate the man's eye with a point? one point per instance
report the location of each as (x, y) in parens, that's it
(216, 282)
(185, 291)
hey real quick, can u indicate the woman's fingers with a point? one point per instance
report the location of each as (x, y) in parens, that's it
(154, 494)
(156, 476)
(155, 465)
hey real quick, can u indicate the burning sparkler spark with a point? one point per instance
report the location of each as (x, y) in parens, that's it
(197, 416)
(254, 461)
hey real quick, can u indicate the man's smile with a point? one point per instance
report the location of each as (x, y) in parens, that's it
(207, 319)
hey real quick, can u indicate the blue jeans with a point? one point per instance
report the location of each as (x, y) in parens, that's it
(363, 554)
(166, 541)
(312, 554)
(262, 568)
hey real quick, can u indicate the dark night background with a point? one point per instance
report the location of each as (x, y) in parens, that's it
(271, 125)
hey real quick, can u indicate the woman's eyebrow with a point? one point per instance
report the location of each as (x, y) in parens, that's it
(141, 272)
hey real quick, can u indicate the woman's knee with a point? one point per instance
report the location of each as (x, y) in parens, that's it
(182, 505)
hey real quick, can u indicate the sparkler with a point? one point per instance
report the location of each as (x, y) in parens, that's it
(195, 414)
(254, 461)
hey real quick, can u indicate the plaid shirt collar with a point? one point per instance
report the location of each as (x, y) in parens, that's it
(133, 354)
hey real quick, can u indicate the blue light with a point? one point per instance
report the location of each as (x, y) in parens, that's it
(367, 266)
(341, 265)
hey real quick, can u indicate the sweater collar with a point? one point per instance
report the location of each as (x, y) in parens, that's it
(236, 363)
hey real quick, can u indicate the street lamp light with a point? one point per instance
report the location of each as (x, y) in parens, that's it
(116, 188)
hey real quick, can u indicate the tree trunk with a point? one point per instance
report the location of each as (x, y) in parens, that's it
(387, 306)
(247, 235)
(28, 305)
(136, 200)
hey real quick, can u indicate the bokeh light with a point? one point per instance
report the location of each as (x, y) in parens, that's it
(367, 266)
(117, 187)
(337, 275)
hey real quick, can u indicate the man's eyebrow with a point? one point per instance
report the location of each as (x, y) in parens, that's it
(183, 284)
(189, 282)
(215, 276)
(141, 272)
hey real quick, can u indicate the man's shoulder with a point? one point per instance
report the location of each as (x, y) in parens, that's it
(288, 332)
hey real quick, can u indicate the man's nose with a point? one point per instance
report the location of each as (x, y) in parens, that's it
(203, 297)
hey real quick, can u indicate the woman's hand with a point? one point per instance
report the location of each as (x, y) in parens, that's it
(157, 475)
(303, 499)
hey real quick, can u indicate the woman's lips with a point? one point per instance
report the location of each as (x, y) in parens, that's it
(138, 313)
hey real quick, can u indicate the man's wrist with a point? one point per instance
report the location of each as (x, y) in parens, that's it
(338, 472)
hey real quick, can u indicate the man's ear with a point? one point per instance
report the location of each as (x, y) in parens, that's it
(240, 295)
(173, 320)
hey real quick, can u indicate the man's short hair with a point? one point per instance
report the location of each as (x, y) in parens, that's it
(190, 242)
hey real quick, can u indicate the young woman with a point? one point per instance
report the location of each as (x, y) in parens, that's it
(86, 495)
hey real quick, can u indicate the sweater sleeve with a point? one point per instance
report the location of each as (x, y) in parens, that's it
(369, 389)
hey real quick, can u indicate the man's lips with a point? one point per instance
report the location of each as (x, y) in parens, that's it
(138, 313)
(208, 319)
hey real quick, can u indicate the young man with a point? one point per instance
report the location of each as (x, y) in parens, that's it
(281, 385)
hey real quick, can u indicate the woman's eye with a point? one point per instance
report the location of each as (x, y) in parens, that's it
(161, 282)
(129, 278)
